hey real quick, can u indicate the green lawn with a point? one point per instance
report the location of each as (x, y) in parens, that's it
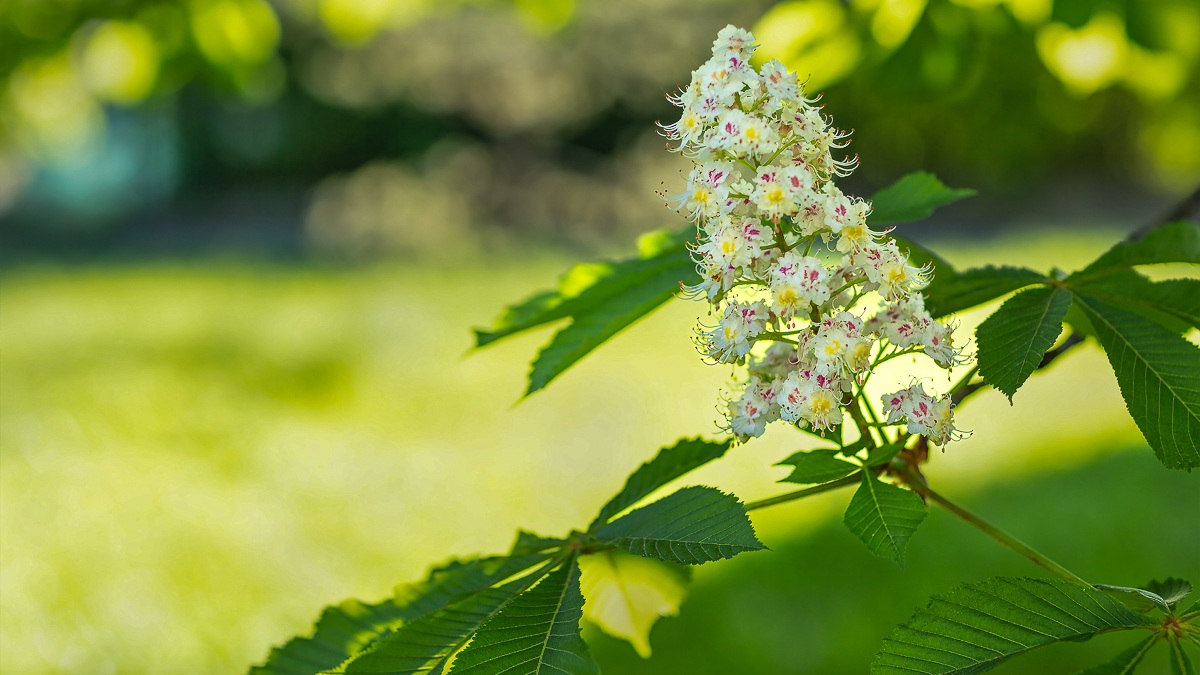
(195, 458)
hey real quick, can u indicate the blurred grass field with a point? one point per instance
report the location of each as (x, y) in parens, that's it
(195, 458)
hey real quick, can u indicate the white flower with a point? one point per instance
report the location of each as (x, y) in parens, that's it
(733, 43)
(926, 415)
(706, 191)
(743, 135)
(730, 340)
(780, 83)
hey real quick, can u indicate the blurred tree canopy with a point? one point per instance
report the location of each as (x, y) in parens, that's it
(537, 114)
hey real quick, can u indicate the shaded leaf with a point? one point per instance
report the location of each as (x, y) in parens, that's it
(1172, 589)
(883, 454)
(975, 627)
(1174, 303)
(817, 466)
(692, 526)
(1013, 340)
(427, 644)
(538, 632)
(884, 517)
(627, 593)
(346, 629)
(1171, 243)
(951, 293)
(913, 197)
(1138, 599)
(1125, 662)
(596, 323)
(670, 463)
(1159, 375)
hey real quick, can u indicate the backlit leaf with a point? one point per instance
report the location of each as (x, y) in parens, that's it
(817, 466)
(913, 197)
(955, 292)
(627, 593)
(1177, 242)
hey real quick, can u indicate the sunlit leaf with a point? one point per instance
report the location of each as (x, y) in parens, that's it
(627, 593)
(975, 627)
(1159, 375)
(535, 634)
(817, 466)
(913, 197)
(1013, 340)
(884, 517)
(670, 463)
(692, 526)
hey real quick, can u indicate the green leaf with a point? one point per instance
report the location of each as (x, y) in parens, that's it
(975, 627)
(913, 197)
(817, 466)
(1172, 243)
(884, 517)
(599, 321)
(1013, 340)
(1159, 375)
(951, 293)
(586, 286)
(692, 526)
(883, 454)
(1138, 599)
(538, 632)
(528, 543)
(920, 256)
(1174, 303)
(1180, 663)
(346, 629)
(1172, 589)
(1125, 662)
(670, 463)
(427, 644)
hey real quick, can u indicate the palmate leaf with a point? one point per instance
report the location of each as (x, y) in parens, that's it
(1174, 303)
(345, 629)
(692, 526)
(913, 197)
(975, 627)
(1124, 663)
(670, 463)
(1013, 340)
(537, 633)
(427, 644)
(817, 466)
(1181, 663)
(1177, 242)
(884, 516)
(954, 292)
(1159, 375)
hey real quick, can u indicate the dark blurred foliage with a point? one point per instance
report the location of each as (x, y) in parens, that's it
(805, 608)
(353, 127)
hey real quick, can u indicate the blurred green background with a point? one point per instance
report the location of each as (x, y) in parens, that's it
(243, 244)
